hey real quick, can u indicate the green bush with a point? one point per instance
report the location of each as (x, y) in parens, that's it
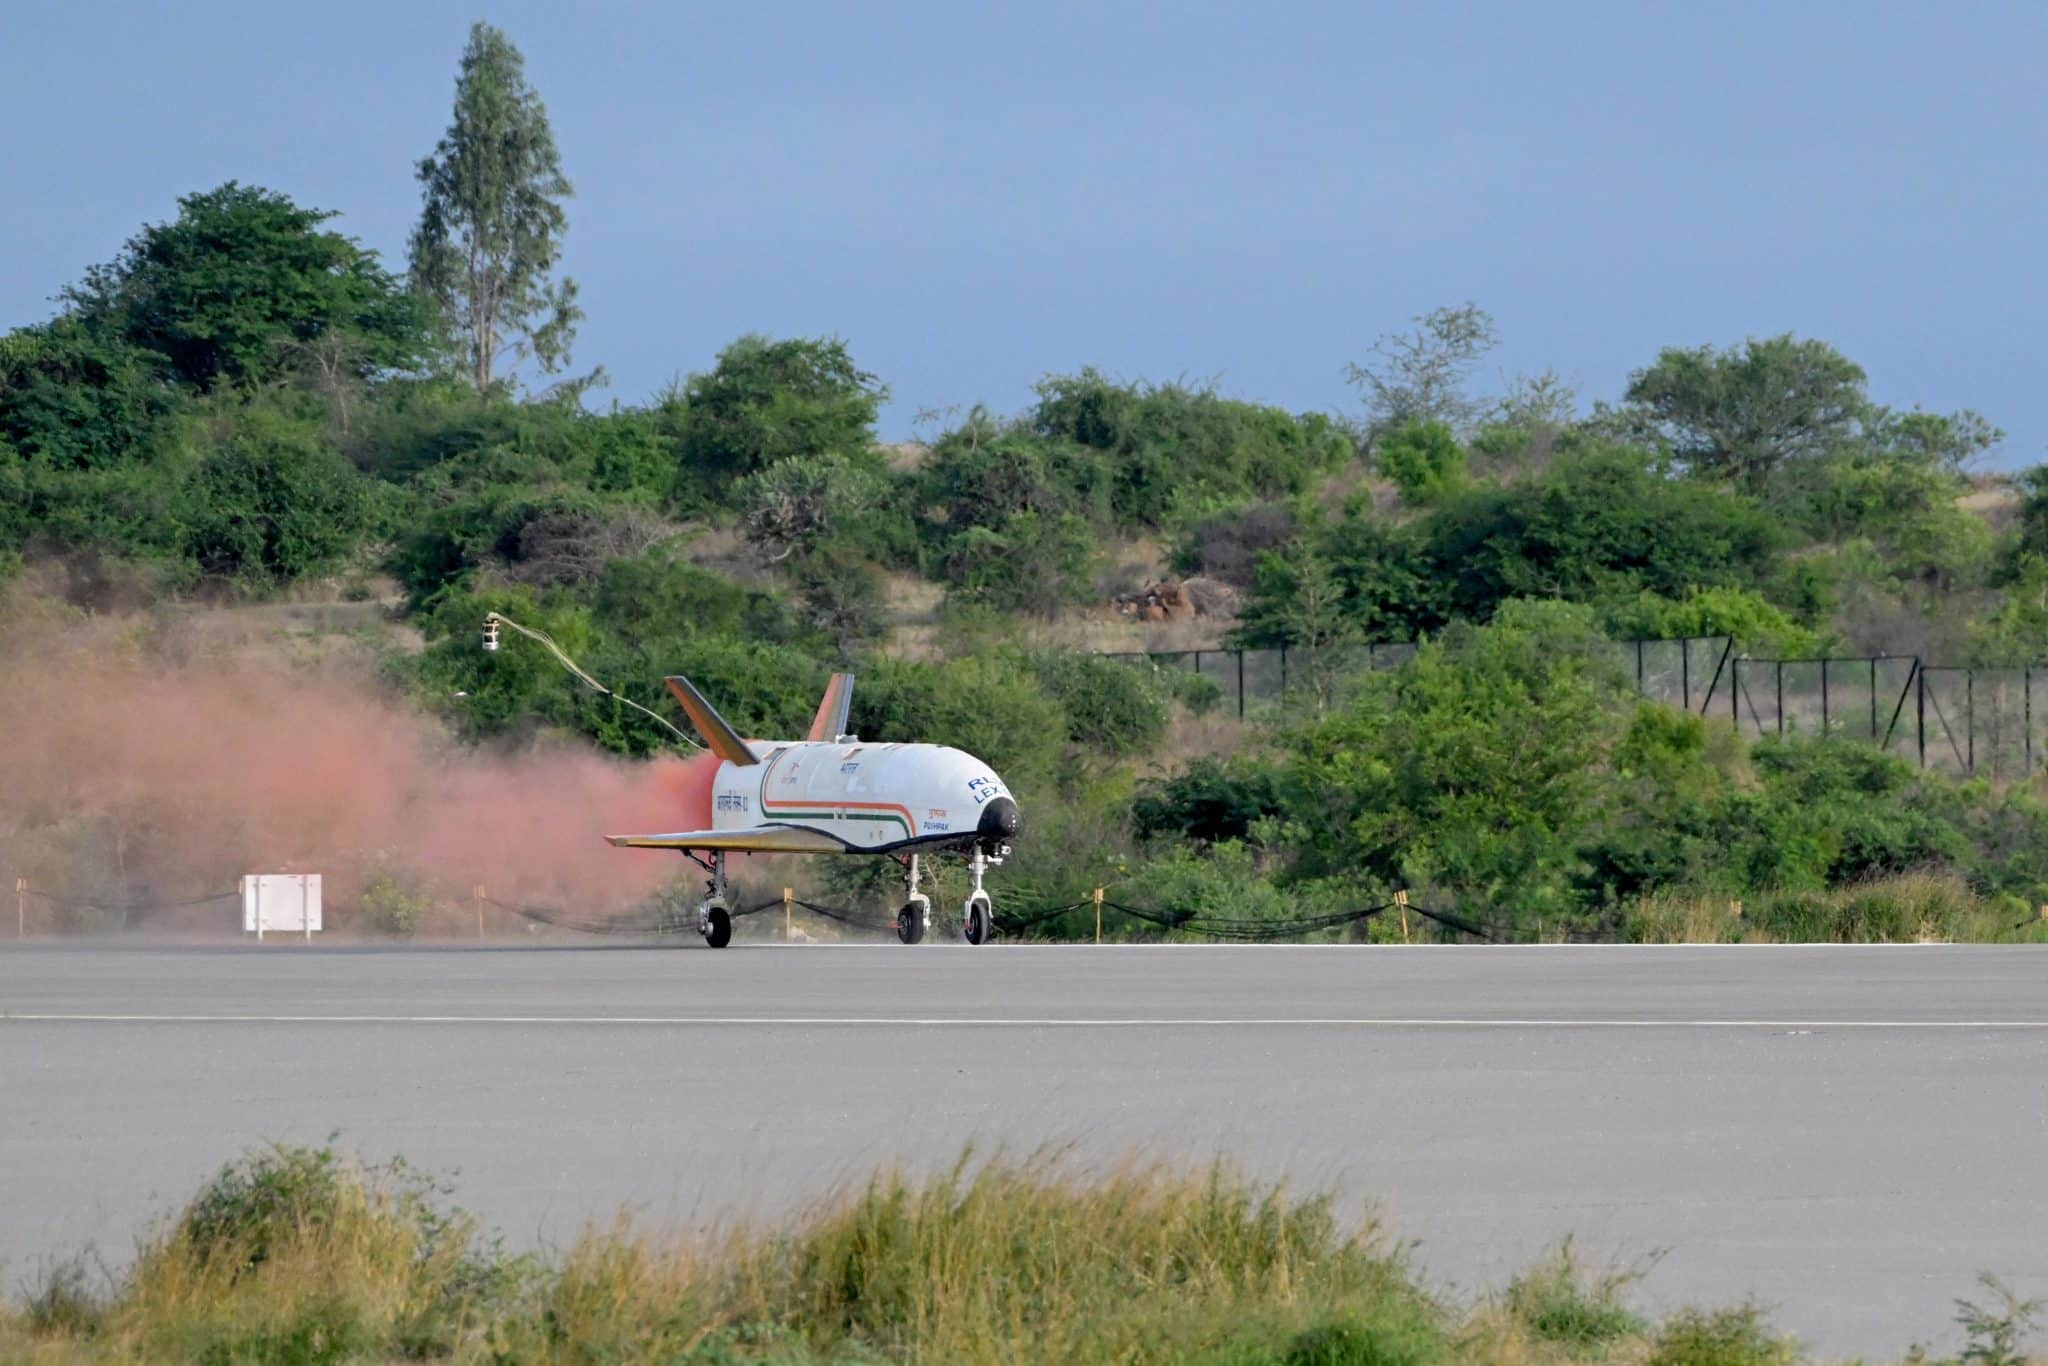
(1111, 707)
(789, 507)
(1423, 459)
(1558, 1301)
(842, 595)
(1209, 801)
(1168, 443)
(271, 501)
(1727, 1337)
(1602, 526)
(1025, 563)
(1473, 768)
(389, 907)
(767, 401)
(1758, 625)
(983, 705)
(1199, 693)
(1225, 542)
(1223, 882)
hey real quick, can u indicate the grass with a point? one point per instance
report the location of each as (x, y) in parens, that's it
(295, 1255)
(1909, 908)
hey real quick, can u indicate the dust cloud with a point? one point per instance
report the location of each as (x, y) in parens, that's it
(129, 781)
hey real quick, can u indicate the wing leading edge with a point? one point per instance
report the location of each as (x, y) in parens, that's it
(759, 839)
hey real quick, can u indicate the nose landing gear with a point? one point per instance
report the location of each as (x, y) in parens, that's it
(978, 925)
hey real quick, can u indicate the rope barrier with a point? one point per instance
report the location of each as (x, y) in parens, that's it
(1011, 923)
(1243, 929)
(130, 907)
(662, 922)
(1458, 923)
(847, 917)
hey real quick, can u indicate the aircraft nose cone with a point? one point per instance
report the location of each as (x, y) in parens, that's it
(999, 820)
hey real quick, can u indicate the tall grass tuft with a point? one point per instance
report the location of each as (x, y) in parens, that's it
(296, 1255)
(1559, 1300)
(1908, 908)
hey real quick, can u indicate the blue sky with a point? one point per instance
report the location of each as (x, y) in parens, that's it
(1243, 193)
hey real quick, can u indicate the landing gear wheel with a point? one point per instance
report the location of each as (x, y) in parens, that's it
(910, 922)
(980, 926)
(717, 926)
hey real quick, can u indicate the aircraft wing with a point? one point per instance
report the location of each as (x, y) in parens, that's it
(759, 839)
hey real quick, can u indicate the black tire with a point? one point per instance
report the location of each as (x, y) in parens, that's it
(910, 923)
(718, 931)
(980, 926)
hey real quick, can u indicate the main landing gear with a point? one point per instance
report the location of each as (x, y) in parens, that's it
(916, 916)
(714, 918)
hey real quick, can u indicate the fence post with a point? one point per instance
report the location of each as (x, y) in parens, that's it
(1685, 671)
(1781, 699)
(2027, 714)
(479, 890)
(1920, 707)
(788, 915)
(1970, 716)
(1873, 697)
(1240, 685)
(1283, 674)
(1639, 668)
(1098, 915)
(1401, 900)
(1823, 697)
(1735, 691)
(20, 907)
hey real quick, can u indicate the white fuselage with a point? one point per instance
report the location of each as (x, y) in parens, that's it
(867, 796)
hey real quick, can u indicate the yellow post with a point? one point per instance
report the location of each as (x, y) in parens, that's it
(21, 908)
(788, 915)
(1735, 909)
(1401, 900)
(479, 890)
(1098, 914)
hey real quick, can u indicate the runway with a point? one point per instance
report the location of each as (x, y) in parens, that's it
(1847, 1133)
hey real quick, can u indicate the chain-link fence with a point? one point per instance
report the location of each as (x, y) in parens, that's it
(1954, 719)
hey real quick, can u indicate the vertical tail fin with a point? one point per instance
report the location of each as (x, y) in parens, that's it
(830, 722)
(719, 736)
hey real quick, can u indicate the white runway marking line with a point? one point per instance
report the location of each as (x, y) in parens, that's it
(1045, 1022)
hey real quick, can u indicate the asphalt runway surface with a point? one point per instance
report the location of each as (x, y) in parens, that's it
(1848, 1134)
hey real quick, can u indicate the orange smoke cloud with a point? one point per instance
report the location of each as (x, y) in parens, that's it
(128, 781)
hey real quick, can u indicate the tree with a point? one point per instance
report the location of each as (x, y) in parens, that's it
(1742, 413)
(271, 501)
(1424, 460)
(767, 401)
(491, 227)
(241, 275)
(1298, 602)
(1472, 769)
(791, 506)
(1420, 375)
(71, 399)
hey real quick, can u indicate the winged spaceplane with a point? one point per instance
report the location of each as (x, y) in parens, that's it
(829, 793)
